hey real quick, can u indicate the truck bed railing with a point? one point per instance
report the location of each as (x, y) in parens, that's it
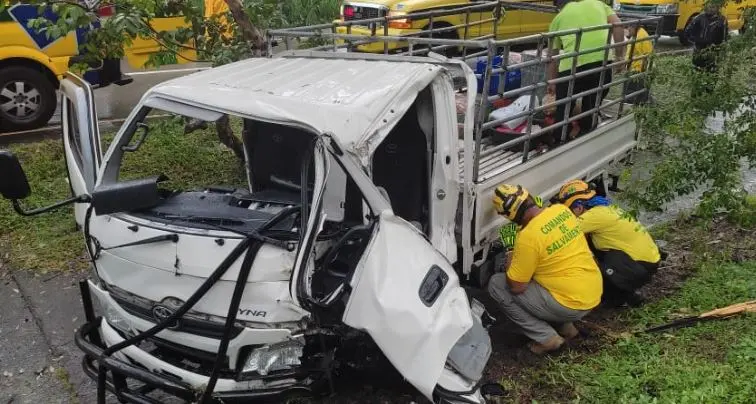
(340, 36)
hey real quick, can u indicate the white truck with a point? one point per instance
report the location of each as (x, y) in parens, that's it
(367, 207)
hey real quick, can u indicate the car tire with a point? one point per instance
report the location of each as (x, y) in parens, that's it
(27, 98)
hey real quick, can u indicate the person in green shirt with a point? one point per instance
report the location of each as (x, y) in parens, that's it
(574, 14)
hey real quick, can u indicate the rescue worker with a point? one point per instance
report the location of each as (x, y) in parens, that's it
(627, 255)
(707, 31)
(640, 57)
(581, 14)
(551, 278)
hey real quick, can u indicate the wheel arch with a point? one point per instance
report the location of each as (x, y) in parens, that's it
(444, 24)
(34, 64)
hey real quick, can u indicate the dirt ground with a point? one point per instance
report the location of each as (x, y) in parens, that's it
(603, 326)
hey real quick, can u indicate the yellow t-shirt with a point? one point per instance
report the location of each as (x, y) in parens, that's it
(552, 251)
(641, 49)
(611, 229)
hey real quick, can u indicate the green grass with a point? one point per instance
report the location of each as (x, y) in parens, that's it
(51, 241)
(710, 362)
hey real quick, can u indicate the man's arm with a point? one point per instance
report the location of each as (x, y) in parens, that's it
(516, 287)
(552, 71)
(521, 266)
(619, 36)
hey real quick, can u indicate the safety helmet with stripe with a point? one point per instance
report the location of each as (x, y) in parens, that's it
(511, 201)
(575, 190)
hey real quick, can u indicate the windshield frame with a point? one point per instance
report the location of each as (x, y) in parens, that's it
(113, 159)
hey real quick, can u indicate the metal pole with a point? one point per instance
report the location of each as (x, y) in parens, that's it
(335, 48)
(467, 29)
(599, 95)
(496, 16)
(571, 85)
(533, 95)
(623, 98)
(385, 34)
(482, 107)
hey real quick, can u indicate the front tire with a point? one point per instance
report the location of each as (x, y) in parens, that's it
(27, 98)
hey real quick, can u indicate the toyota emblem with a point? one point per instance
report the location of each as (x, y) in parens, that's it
(160, 313)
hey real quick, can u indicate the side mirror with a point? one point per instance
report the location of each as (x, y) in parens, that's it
(13, 182)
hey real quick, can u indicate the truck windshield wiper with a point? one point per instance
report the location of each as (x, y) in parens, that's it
(173, 237)
(223, 224)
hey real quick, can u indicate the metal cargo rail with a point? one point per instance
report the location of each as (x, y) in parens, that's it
(484, 157)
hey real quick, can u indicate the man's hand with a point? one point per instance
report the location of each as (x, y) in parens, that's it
(621, 66)
(508, 235)
(516, 287)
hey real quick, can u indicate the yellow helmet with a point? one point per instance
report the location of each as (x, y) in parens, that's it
(511, 201)
(575, 190)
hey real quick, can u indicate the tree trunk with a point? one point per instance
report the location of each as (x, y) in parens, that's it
(250, 33)
(227, 137)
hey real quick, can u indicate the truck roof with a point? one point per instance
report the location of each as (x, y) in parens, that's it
(351, 99)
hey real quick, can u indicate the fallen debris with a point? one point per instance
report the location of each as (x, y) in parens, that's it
(724, 312)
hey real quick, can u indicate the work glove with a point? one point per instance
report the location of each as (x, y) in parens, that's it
(508, 234)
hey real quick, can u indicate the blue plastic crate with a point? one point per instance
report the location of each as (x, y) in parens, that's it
(512, 79)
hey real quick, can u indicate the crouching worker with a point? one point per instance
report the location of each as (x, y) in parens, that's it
(627, 254)
(551, 279)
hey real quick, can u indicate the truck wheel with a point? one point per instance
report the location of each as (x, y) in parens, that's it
(27, 98)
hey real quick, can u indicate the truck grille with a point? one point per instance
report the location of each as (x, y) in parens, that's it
(142, 308)
(362, 13)
(637, 9)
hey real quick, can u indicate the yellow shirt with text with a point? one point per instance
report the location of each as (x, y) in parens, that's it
(610, 228)
(552, 251)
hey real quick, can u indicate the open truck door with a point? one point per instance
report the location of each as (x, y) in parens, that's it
(81, 138)
(407, 297)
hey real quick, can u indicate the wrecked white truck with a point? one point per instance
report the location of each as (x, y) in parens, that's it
(368, 203)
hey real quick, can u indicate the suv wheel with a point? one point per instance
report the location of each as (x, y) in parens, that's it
(27, 98)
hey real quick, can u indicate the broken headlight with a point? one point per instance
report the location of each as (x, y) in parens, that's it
(274, 357)
(110, 314)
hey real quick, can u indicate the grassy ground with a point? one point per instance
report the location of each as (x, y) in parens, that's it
(51, 241)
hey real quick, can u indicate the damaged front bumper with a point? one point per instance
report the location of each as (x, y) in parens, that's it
(132, 373)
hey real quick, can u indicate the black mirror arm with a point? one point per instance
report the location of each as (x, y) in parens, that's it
(20, 210)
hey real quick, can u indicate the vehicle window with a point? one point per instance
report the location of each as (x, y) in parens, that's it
(211, 186)
(193, 160)
(73, 133)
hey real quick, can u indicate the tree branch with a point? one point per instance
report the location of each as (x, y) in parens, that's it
(250, 33)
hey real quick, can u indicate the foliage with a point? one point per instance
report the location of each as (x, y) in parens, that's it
(687, 155)
(216, 38)
(51, 242)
